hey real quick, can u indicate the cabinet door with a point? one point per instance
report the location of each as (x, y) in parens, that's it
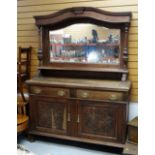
(48, 114)
(101, 121)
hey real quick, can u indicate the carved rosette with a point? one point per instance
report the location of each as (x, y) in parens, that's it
(51, 115)
(98, 121)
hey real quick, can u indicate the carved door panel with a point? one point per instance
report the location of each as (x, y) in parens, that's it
(102, 121)
(48, 115)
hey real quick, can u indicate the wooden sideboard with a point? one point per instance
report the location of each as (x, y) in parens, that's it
(79, 108)
(81, 92)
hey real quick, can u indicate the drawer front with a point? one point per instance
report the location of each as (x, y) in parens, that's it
(52, 92)
(100, 95)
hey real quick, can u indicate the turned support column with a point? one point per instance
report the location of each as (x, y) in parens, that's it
(125, 51)
(40, 50)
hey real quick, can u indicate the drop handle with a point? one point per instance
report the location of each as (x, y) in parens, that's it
(37, 91)
(61, 93)
(84, 95)
(113, 97)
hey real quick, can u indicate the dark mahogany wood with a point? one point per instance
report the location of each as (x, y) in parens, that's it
(95, 109)
(80, 102)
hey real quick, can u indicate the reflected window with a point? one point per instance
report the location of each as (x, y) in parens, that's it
(85, 43)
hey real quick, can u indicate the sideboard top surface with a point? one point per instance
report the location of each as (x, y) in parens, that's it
(81, 83)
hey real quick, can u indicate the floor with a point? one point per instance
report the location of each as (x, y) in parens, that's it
(42, 146)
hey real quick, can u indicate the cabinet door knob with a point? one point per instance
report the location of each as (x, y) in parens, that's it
(113, 97)
(84, 94)
(61, 93)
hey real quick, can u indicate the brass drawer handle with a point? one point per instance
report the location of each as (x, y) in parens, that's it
(61, 93)
(78, 119)
(113, 97)
(36, 90)
(84, 94)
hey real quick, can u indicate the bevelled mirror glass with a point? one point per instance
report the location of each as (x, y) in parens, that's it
(85, 43)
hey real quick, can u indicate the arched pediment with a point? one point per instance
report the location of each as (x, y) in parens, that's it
(82, 15)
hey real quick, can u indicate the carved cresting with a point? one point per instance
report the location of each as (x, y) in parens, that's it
(78, 10)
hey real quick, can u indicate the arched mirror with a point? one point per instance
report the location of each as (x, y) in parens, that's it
(85, 43)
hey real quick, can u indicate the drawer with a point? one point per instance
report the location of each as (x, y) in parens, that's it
(52, 92)
(100, 95)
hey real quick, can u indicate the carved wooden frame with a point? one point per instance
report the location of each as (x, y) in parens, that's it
(74, 15)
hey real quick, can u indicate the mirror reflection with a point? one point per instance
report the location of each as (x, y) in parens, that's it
(85, 43)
